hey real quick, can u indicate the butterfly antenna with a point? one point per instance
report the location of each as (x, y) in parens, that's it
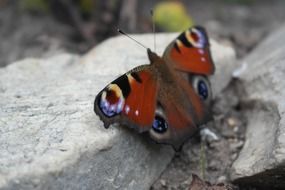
(153, 30)
(123, 33)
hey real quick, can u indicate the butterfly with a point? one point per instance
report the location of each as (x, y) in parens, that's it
(168, 98)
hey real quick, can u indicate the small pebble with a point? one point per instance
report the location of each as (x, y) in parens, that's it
(236, 145)
(232, 122)
(208, 135)
(222, 179)
(163, 182)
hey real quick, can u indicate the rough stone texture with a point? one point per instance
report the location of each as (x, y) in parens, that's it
(50, 137)
(262, 159)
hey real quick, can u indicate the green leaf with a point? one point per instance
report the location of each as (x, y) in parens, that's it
(172, 17)
(86, 6)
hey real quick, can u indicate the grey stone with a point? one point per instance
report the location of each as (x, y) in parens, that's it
(262, 159)
(50, 137)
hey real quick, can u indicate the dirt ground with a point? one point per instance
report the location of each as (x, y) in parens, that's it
(245, 25)
(210, 159)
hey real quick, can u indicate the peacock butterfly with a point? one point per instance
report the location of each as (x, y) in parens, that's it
(168, 98)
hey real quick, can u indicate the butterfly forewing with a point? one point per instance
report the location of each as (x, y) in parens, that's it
(130, 100)
(189, 52)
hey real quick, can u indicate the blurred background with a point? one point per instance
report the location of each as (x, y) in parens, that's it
(41, 28)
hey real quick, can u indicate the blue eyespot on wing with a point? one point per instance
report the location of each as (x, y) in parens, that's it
(159, 124)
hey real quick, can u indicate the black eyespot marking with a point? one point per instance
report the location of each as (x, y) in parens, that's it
(184, 40)
(198, 35)
(201, 86)
(202, 90)
(123, 84)
(136, 77)
(176, 47)
(159, 124)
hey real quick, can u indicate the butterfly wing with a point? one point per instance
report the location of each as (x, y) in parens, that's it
(129, 100)
(187, 106)
(180, 110)
(157, 98)
(189, 52)
(179, 125)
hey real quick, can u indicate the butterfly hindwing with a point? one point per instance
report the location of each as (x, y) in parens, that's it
(182, 111)
(129, 100)
(190, 52)
(180, 126)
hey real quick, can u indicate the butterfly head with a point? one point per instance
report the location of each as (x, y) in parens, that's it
(153, 57)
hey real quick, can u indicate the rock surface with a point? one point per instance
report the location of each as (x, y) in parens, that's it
(50, 137)
(262, 159)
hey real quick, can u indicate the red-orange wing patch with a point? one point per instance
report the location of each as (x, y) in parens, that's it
(181, 117)
(141, 102)
(189, 52)
(129, 100)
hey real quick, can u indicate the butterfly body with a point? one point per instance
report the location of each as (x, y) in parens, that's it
(161, 98)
